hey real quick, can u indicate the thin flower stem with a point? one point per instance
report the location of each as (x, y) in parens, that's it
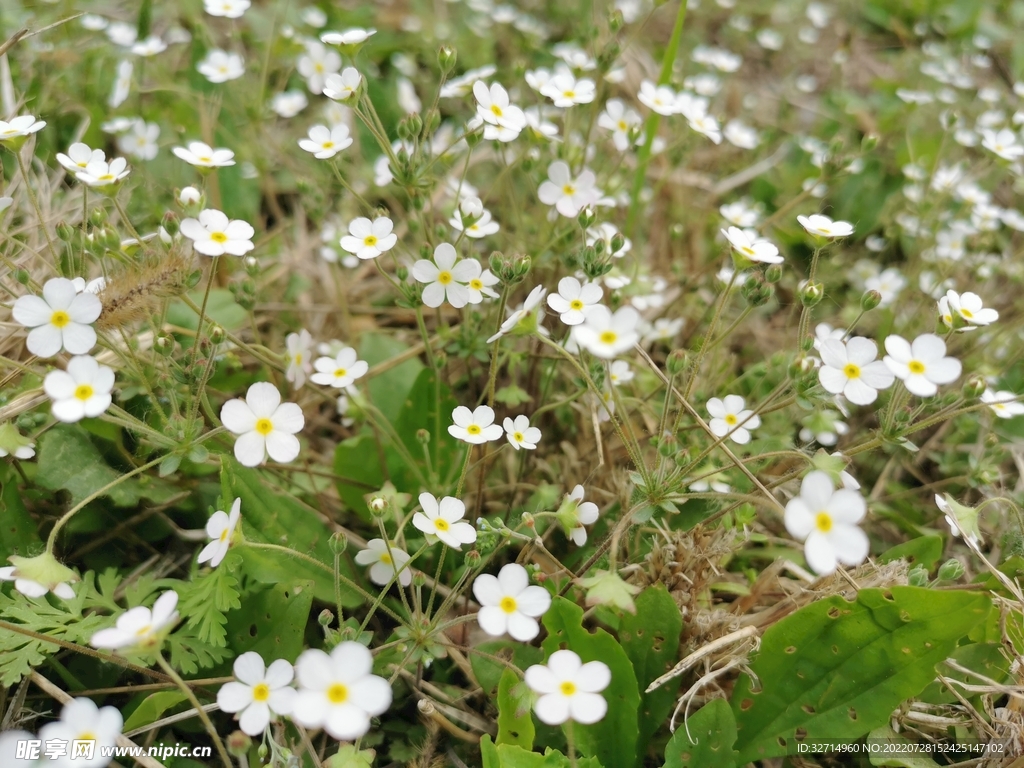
(202, 312)
(437, 579)
(695, 370)
(569, 740)
(35, 204)
(207, 723)
(465, 470)
(492, 374)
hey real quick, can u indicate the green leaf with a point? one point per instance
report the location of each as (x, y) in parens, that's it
(358, 471)
(650, 639)
(272, 622)
(706, 739)
(350, 756)
(908, 759)
(488, 673)
(512, 396)
(513, 756)
(221, 308)
(515, 726)
(18, 532)
(421, 411)
(924, 550)
(189, 654)
(388, 390)
(68, 460)
(837, 669)
(613, 740)
(206, 600)
(152, 707)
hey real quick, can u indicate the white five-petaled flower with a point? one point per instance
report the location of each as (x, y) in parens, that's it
(524, 315)
(443, 519)
(213, 234)
(606, 335)
(574, 300)
(1003, 143)
(965, 311)
(258, 693)
(79, 156)
(60, 319)
(324, 143)
(503, 120)
(139, 626)
(100, 173)
(566, 91)
(446, 277)
(385, 560)
(343, 86)
(728, 417)
(851, 369)
(341, 370)
(922, 365)
(202, 155)
(476, 426)
(826, 521)
(17, 127)
(569, 689)
(264, 425)
(1004, 404)
(660, 98)
(289, 103)
(339, 693)
(582, 512)
(82, 390)
(509, 603)
(823, 226)
(230, 9)
(81, 721)
(220, 528)
(351, 36)
(299, 346)
(520, 434)
(752, 247)
(221, 66)
(316, 64)
(567, 194)
(369, 239)
(620, 120)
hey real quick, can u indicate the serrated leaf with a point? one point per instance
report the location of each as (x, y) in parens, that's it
(515, 725)
(204, 603)
(705, 739)
(189, 654)
(837, 669)
(613, 740)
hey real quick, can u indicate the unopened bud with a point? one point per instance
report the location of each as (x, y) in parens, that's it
(668, 445)
(325, 617)
(676, 362)
(918, 576)
(378, 505)
(774, 273)
(64, 231)
(252, 266)
(170, 223)
(97, 217)
(217, 334)
(870, 300)
(189, 196)
(338, 542)
(22, 276)
(473, 558)
(418, 579)
(974, 387)
(811, 293)
(869, 142)
(951, 570)
(618, 242)
(423, 437)
(238, 743)
(446, 58)
(586, 217)
(402, 273)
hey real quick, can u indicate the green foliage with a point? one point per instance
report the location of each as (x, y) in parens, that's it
(613, 740)
(924, 550)
(836, 669)
(272, 622)
(152, 708)
(221, 308)
(512, 756)
(204, 602)
(18, 535)
(515, 725)
(706, 738)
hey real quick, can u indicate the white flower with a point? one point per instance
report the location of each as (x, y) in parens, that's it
(318, 62)
(93, 22)
(339, 371)
(730, 418)
(139, 626)
(965, 310)
(620, 120)
(212, 234)
(82, 720)
(99, 173)
(620, 373)
(140, 141)
(384, 562)
(606, 335)
(520, 434)
(264, 425)
(823, 226)
(889, 282)
(369, 239)
(569, 689)
(583, 513)
(1003, 143)
(481, 286)
(737, 133)
(566, 91)
(443, 520)
(660, 98)
(922, 365)
(31, 588)
(569, 195)
(351, 36)
(343, 86)
(606, 232)
(510, 604)
(151, 46)
(339, 693)
(752, 247)
(231, 9)
(574, 300)
(83, 390)
(220, 528)
(851, 369)
(523, 314)
(1004, 404)
(60, 319)
(493, 107)
(826, 521)
(258, 693)
(204, 156)
(299, 365)
(123, 81)
(17, 127)
(446, 276)
(289, 103)
(664, 329)
(463, 84)
(481, 224)
(476, 426)
(706, 125)
(324, 143)
(221, 66)
(79, 156)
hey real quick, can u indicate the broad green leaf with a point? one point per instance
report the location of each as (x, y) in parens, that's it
(152, 708)
(221, 308)
(272, 622)
(358, 472)
(349, 756)
(488, 672)
(909, 759)
(428, 406)
(613, 740)
(515, 725)
(984, 658)
(837, 669)
(924, 550)
(388, 390)
(650, 639)
(705, 739)
(18, 533)
(512, 756)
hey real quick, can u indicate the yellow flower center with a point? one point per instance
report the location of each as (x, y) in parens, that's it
(622, 125)
(441, 524)
(730, 419)
(223, 535)
(474, 429)
(370, 240)
(87, 736)
(475, 284)
(339, 372)
(608, 337)
(260, 692)
(567, 688)
(569, 189)
(569, 94)
(518, 437)
(386, 558)
(329, 145)
(106, 177)
(318, 67)
(576, 304)
(747, 250)
(264, 426)
(205, 159)
(298, 358)
(444, 278)
(916, 366)
(218, 237)
(966, 313)
(852, 371)
(337, 694)
(84, 391)
(496, 110)
(60, 318)
(142, 631)
(823, 522)
(508, 604)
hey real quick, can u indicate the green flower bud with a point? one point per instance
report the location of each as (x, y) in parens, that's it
(473, 559)
(918, 576)
(325, 617)
(238, 744)
(22, 276)
(951, 570)
(618, 242)
(811, 293)
(869, 142)
(586, 217)
(870, 300)
(97, 217)
(668, 445)
(217, 334)
(64, 231)
(774, 273)
(974, 387)
(170, 223)
(446, 58)
(338, 542)
(402, 273)
(676, 362)
(615, 21)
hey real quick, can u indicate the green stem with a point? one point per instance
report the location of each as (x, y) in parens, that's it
(199, 708)
(35, 204)
(465, 469)
(695, 371)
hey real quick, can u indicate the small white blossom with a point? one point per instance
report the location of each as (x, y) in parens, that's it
(263, 425)
(339, 371)
(922, 365)
(442, 519)
(82, 721)
(476, 426)
(826, 521)
(80, 391)
(850, 369)
(574, 300)
(60, 319)
(509, 604)
(139, 626)
(298, 346)
(258, 692)
(220, 528)
(203, 155)
(446, 277)
(569, 689)
(608, 335)
(1004, 404)
(213, 234)
(384, 561)
(220, 66)
(520, 434)
(730, 418)
(823, 226)
(230, 9)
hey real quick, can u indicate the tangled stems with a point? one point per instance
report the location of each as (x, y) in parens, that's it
(167, 668)
(711, 330)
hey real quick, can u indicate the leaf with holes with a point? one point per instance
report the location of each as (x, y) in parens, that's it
(837, 669)
(705, 739)
(515, 726)
(613, 740)
(272, 622)
(650, 638)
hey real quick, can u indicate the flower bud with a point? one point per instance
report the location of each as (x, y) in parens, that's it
(676, 362)
(170, 223)
(422, 437)
(338, 542)
(774, 273)
(252, 266)
(378, 505)
(951, 570)
(668, 445)
(402, 273)
(870, 300)
(473, 559)
(97, 217)
(237, 743)
(810, 293)
(615, 21)
(918, 576)
(869, 142)
(217, 334)
(446, 58)
(419, 580)
(974, 387)
(189, 196)
(64, 231)
(325, 617)
(618, 242)
(22, 276)
(586, 217)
